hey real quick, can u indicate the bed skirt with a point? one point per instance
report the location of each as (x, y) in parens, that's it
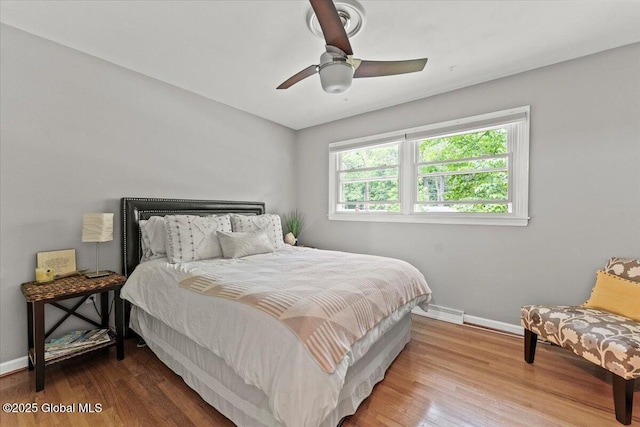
(244, 404)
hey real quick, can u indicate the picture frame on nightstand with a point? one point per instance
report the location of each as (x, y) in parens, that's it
(63, 262)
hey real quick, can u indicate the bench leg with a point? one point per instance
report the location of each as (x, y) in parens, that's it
(623, 398)
(530, 340)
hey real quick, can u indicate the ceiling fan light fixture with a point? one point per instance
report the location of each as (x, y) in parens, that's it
(336, 77)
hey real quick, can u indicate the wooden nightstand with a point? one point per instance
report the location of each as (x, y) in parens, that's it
(38, 294)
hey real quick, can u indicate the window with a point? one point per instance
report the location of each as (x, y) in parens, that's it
(464, 173)
(368, 179)
(467, 171)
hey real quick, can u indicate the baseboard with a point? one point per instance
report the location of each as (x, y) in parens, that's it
(441, 313)
(458, 317)
(13, 365)
(494, 324)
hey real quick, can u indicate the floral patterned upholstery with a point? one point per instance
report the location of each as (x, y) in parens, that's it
(627, 268)
(606, 339)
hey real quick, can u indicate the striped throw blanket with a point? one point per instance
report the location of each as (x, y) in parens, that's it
(328, 301)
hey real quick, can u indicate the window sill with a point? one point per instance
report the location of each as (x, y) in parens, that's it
(461, 219)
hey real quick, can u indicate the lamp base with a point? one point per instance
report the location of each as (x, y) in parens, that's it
(96, 274)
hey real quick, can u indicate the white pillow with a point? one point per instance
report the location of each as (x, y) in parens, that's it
(193, 237)
(154, 238)
(238, 244)
(145, 244)
(269, 222)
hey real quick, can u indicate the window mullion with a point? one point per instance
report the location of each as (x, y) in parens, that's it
(375, 178)
(464, 159)
(368, 169)
(334, 194)
(463, 172)
(462, 202)
(405, 177)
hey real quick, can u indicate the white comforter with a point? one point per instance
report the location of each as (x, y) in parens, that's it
(259, 348)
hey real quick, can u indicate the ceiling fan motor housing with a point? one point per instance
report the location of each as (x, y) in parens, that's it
(336, 74)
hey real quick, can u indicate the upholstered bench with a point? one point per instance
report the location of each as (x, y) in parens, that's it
(595, 332)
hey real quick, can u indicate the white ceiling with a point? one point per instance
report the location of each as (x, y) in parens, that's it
(237, 52)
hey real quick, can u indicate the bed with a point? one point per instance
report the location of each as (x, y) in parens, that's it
(224, 325)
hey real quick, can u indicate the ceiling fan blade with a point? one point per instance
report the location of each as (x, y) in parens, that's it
(309, 71)
(388, 68)
(331, 24)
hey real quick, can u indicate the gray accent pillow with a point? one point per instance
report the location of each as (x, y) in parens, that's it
(271, 223)
(239, 244)
(154, 238)
(144, 241)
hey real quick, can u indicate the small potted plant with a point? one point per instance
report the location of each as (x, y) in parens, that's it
(293, 222)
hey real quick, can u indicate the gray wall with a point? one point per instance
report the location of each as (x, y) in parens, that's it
(78, 133)
(584, 189)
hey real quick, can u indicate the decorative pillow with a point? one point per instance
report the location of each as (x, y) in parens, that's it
(624, 267)
(154, 238)
(239, 244)
(193, 237)
(145, 244)
(616, 295)
(269, 222)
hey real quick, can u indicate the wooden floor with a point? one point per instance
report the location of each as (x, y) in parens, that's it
(448, 375)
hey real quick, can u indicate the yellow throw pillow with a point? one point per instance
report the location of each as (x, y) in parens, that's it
(615, 294)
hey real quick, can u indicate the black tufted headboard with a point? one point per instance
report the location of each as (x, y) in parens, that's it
(134, 209)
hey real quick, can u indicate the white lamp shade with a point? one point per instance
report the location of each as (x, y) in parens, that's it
(97, 227)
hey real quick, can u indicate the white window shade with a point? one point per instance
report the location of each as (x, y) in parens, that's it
(469, 124)
(354, 144)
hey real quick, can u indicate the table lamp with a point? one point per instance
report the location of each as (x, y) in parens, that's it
(97, 227)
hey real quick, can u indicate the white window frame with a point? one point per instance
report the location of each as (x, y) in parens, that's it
(518, 171)
(338, 171)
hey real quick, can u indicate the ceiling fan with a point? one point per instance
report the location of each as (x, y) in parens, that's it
(337, 65)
